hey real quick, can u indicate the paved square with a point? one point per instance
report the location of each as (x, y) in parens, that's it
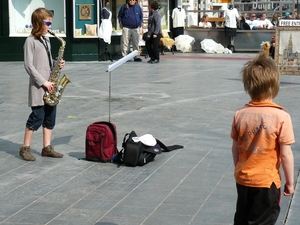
(186, 99)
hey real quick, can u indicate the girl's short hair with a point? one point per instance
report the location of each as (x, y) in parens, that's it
(203, 17)
(37, 21)
(261, 78)
(154, 5)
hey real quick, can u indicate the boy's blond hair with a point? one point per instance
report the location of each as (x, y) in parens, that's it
(261, 78)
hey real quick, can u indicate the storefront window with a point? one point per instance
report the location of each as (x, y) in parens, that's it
(283, 8)
(196, 9)
(20, 16)
(86, 18)
(214, 9)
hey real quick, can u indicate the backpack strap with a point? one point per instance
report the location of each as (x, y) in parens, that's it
(118, 158)
(124, 139)
(168, 148)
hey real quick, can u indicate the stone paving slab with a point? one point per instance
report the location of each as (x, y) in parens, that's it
(186, 99)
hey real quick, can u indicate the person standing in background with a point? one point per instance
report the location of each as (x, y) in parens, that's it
(130, 18)
(154, 29)
(178, 16)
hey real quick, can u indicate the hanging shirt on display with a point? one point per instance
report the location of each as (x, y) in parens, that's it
(178, 16)
(231, 16)
(105, 29)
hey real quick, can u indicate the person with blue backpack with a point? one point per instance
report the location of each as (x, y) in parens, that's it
(130, 18)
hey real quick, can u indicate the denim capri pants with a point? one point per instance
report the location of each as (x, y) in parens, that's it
(41, 115)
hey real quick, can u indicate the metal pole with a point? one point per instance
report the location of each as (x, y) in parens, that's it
(109, 96)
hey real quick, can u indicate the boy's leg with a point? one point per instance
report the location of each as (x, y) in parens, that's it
(265, 208)
(242, 205)
(257, 205)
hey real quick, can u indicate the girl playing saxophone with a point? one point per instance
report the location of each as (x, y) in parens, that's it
(38, 63)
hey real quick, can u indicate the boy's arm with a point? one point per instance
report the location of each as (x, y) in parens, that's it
(287, 161)
(235, 152)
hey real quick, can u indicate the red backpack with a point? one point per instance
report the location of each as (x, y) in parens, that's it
(100, 141)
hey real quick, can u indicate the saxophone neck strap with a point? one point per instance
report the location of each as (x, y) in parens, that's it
(43, 40)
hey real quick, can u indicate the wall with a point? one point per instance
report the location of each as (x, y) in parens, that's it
(77, 49)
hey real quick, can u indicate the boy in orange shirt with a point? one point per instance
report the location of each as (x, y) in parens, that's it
(262, 134)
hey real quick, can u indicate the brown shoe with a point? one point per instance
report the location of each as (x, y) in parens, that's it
(26, 154)
(49, 151)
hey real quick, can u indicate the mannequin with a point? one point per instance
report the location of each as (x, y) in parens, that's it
(178, 16)
(105, 29)
(231, 16)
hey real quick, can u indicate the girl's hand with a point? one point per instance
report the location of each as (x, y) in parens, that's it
(62, 64)
(49, 86)
(154, 36)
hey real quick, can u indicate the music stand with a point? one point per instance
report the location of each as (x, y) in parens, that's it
(114, 66)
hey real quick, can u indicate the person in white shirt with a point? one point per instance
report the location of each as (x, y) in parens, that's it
(253, 23)
(204, 22)
(264, 22)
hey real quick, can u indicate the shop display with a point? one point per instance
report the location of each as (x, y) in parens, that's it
(20, 16)
(86, 18)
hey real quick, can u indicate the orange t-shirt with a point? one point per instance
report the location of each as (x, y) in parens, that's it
(260, 128)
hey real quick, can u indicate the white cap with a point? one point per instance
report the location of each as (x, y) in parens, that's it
(146, 139)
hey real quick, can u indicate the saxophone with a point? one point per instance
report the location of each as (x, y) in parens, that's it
(53, 98)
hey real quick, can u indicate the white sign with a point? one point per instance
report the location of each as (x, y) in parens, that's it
(289, 23)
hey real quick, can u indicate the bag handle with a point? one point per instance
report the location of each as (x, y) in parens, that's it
(168, 148)
(125, 137)
(111, 127)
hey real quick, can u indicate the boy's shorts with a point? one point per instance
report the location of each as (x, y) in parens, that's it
(41, 115)
(257, 205)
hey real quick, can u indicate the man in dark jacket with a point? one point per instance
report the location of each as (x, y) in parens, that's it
(130, 18)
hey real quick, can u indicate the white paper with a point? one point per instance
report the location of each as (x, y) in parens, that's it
(122, 60)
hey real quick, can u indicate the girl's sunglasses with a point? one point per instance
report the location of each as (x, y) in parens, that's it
(48, 23)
